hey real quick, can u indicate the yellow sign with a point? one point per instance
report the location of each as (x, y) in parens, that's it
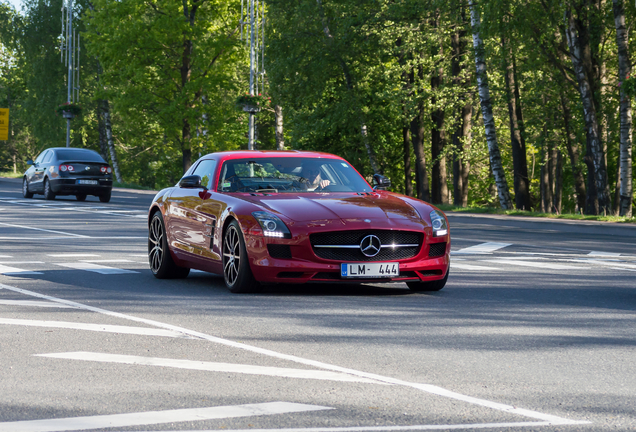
(4, 124)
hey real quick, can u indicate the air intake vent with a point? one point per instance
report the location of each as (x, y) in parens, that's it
(437, 250)
(279, 251)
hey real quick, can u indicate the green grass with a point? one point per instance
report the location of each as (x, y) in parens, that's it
(493, 210)
(10, 174)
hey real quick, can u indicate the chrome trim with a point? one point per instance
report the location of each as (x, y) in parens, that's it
(357, 246)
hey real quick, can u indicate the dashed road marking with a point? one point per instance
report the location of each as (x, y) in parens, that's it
(608, 254)
(35, 303)
(72, 255)
(540, 265)
(105, 328)
(471, 267)
(97, 268)
(14, 271)
(212, 366)
(484, 248)
(157, 417)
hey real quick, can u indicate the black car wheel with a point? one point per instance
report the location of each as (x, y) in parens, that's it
(429, 286)
(81, 197)
(25, 189)
(105, 197)
(161, 263)
(48, 193)
(236, 270)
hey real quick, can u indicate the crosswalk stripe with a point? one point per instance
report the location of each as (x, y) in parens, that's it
(35, 303)
(470, 267)
(97, 268)
(541, 265)
(608, 254)
(11, 271)
(212, 366)
(106, 328)
(157, 417)
(484, 248)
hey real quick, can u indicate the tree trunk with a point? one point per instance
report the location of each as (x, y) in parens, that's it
(417, 136)
(486, 108)
(408, 170)
(109, 139)
(624, 69)
(517, 141)
(558, 183)
(439, 187)
(546, 190)
(573, 153)
(578, 36)
(462, 134)
(280, 138)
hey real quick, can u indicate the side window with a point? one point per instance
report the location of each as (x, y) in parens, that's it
(48, 157)
(40, 158)
(205, 170)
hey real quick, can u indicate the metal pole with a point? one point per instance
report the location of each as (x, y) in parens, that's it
(69, 56)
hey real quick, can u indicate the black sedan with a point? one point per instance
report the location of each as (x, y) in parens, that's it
(68, 171)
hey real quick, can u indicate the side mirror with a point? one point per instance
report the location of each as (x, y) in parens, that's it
(380, 182)
(29, 162)
(191, 182)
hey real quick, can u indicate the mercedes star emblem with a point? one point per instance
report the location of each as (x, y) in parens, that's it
(370, 246)
(87, 168)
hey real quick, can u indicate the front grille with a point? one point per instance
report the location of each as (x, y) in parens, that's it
(279, 251)
(437, 250)
(353, 238)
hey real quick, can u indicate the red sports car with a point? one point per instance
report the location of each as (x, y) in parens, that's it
(261, 217)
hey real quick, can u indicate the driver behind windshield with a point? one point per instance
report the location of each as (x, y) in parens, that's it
(310, 177)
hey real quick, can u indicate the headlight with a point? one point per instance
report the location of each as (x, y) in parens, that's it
(438, 221)
(272, 225)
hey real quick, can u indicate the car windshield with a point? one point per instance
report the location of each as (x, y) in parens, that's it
(79, 155)
(290, 174)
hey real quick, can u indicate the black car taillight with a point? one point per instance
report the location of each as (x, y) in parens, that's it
(106, 170)
(65, 167)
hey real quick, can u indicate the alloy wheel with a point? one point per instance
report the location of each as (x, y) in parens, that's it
(155, 252)
(231, 255)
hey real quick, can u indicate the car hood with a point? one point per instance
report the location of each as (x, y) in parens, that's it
(345, 208)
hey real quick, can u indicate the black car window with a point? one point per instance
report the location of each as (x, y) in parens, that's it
(79, 155)
(205, 170)
(40, 158)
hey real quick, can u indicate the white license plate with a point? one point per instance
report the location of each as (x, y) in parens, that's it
(88, 182)
(369, 270)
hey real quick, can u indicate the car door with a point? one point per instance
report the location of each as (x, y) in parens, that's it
(190, 227)
(36, 181)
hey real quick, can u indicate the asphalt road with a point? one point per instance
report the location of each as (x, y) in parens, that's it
(535, 330)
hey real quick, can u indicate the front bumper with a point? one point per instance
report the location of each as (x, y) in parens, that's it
(303, 266)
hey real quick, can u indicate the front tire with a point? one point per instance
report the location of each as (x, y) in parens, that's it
(236, 269)
(429, 286)
(48, 192)
(161, 263)
(25, 189)
(81, 197)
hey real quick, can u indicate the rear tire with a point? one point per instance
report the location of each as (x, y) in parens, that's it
(105, 197)
(236, 268)
(25, 189)
(429, 286)
(48, 193)
(81, 197)
(161, 263)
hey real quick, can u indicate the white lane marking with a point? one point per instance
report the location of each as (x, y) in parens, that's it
(6, 256)
(44, 230)
(541, 265)
(428, 388)
(156, 417)
(21, 262)
(212, 366)
(470, 267)
(34, 303)
(139, 255)
(105, 328)
(72, 255)
(406, 428)
(484, 248)
(612, 263)
(95, 268)
(10, 271)
(107, 261)
(621, 268)
(609, 254)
